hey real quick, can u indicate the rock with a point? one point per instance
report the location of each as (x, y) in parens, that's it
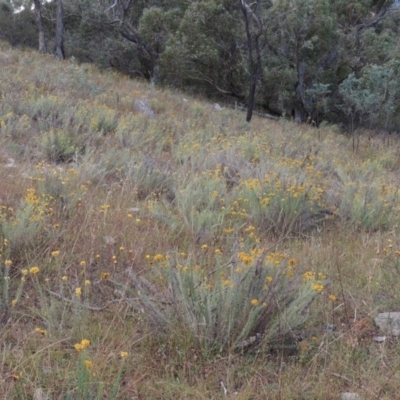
(217, 107)
(350, 396)
(330, 328)
(389, 323)
(379, 339)
(39, 394)
(11, 163)
(109, 240)
(143, 106)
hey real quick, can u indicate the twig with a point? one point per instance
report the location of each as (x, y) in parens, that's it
(342, 377)
(83, 305)
(41, 350)
(213, 272)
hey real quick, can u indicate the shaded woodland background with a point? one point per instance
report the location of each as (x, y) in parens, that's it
(311, 60)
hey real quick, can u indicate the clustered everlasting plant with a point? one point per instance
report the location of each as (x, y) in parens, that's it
(256, 295)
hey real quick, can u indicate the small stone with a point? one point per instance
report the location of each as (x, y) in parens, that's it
(389, 323)
(109, 240)
(143, 106)
(11, 163)
(330, 328)
(217, 107)
(39, 394)
(350, 396)
(379, 339)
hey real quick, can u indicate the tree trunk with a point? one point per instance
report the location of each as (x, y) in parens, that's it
(254, 65)
(130, 33)
(39, 19)
(59, 50)
(299, 109)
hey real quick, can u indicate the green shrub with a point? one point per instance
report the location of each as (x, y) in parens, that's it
(59, 147)
(255, 298)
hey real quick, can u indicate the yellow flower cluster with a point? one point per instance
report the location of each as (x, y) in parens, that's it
(158, 257)
(314, 278)
(275, 258)
(82, 345)
(34, 270)
(245, 258)
(317, 286)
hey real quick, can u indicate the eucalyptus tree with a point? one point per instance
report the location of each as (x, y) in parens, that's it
(59, 42)
(39, 19)
(208, 50)
(313, 45)
(254, 29)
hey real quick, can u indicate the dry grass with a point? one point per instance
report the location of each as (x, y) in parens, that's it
(93, 192)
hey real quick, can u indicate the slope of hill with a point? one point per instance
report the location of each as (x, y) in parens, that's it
(153, 246)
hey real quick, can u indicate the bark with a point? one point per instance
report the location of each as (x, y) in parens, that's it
(130, 33)
(253, 45)
(59, 48)
(299, 112)
(39, 19)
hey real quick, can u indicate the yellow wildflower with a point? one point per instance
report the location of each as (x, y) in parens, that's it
(24, 272)
(104, 275)
(332, 297)
(89, 364)
(124, 354)
(204, 246)
(34, 270)
(41, 331)
(55, 253)
(87, 282)
(308, 276)
(7, 263)
(318, 287)
(82, 345)
(82, 263)
(78, 291)
(14, 303)
(245, 258)
(158, 257)
(255, 302)
(64, 278)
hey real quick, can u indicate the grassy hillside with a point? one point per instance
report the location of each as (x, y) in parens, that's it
(153, 247)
